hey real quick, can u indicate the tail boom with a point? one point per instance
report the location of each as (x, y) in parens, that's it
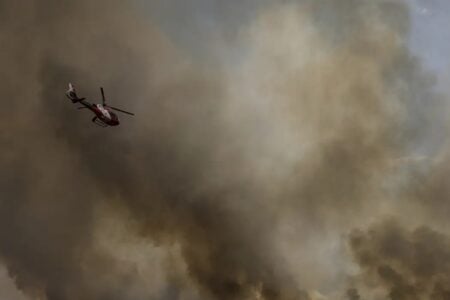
(72, 94)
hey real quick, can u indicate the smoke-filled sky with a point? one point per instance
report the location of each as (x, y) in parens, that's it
(281, 150)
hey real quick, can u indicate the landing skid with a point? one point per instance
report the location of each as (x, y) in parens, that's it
(98, 122)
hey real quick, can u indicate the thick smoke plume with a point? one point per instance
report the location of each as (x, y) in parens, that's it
(237, 181)
(409, 264)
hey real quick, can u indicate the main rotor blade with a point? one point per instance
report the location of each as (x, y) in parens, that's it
(118, 109)
(103, 97)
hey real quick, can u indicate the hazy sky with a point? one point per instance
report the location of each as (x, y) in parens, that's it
(199, 19)
(430, 37)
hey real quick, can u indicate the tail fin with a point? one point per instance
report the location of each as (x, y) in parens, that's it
(72, 94)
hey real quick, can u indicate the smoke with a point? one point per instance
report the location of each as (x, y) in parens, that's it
(408, 264)
(353, 294)
(234, 182)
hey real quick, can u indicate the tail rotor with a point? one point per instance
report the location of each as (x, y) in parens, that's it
(72, 94)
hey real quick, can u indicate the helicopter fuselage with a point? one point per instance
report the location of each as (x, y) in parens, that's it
(105, 115)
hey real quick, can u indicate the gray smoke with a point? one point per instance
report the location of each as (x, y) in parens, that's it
(233, 182)
(409, 264)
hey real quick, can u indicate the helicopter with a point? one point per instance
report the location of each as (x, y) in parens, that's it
(104, 115)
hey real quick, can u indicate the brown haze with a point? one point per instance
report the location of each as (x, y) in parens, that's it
(282, 172)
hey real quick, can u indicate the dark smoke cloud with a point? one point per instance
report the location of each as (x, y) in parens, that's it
(409, 264)
(56, 179)
(353, 294)
(230, 183)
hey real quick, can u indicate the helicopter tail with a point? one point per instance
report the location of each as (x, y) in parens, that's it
(72, 94)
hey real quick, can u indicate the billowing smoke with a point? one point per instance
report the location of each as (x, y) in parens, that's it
(408, 264)
(236, 181)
